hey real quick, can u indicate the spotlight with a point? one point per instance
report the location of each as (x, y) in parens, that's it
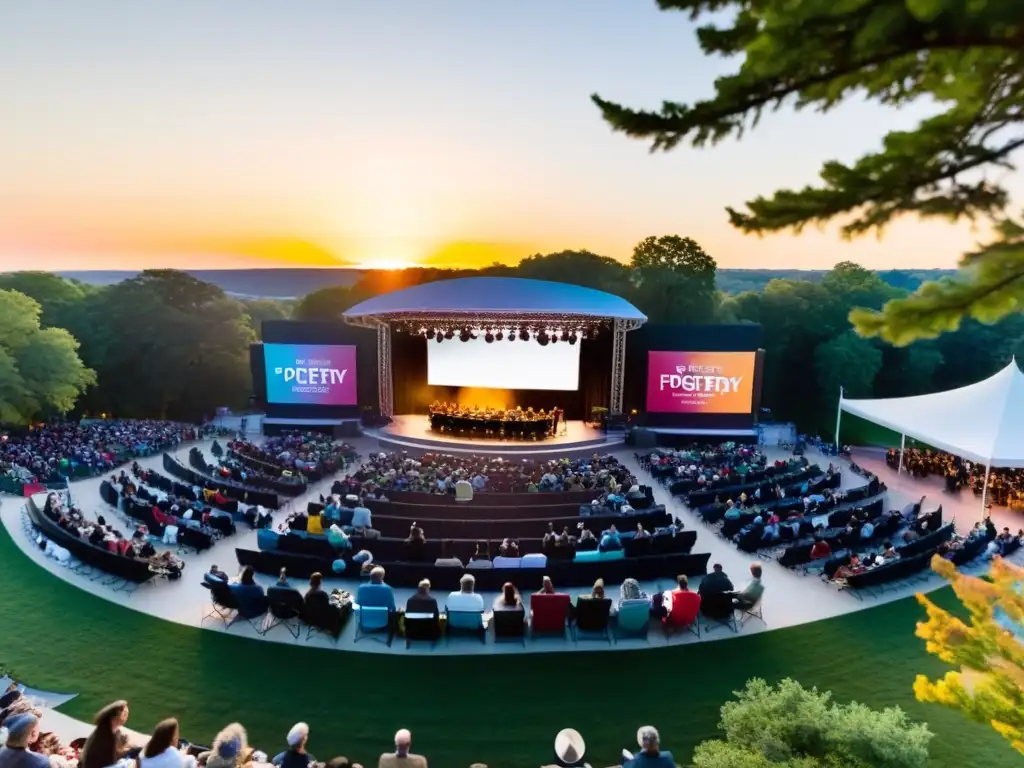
(572, 337)
(489, 337)
(499, 335)
(449, 334)
(430, 333)
(524, 335)
(440, 338)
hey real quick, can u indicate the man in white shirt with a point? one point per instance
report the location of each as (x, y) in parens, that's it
(465, 599)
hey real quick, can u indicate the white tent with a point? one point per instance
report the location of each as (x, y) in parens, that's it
(983, 422)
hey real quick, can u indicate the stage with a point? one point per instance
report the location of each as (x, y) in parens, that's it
(412, 432)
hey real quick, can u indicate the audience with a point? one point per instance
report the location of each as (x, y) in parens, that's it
(752, 590)
(22, 730)
(465, 599)
(162, 749)
(104, 747)
(402, 757)
(295, 756)
(650, 754)
(714, 583)
(422, 601)
(377, 594)
(509, 599)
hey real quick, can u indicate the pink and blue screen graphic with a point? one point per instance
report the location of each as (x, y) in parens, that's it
(310, 374)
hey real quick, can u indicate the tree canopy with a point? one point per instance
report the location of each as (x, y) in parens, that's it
(988, 648)
(965, 58)
(40, 370)
(789, 726)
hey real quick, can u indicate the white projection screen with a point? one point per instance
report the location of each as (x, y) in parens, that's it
(503, 364)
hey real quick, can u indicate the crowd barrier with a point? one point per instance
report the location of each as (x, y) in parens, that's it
(563, 573)
(242, 493)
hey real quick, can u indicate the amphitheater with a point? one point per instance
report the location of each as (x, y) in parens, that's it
(465, 701)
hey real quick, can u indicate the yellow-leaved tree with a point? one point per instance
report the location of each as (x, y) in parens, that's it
(988, 648)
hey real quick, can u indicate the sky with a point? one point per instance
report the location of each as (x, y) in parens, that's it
(260, 133)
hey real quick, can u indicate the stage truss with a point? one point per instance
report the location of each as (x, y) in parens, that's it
(413, 322)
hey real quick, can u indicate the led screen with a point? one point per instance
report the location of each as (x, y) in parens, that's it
(503, 364)
(310, 374)
(700, 382)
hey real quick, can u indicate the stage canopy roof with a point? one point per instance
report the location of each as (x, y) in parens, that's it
(982, 422)
(495, 297)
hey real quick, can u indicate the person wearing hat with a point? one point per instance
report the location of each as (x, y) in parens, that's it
(22, 730)
(295, 756)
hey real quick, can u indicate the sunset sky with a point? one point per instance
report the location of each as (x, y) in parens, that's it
(456, 132)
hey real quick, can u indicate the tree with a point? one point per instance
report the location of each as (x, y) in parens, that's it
(325, 303)
(674, 280)
(166, 345)
(848, 361)
(966, 58)
(576, 267)
(261, 310)
(40, 370)
(791, 726)
(988, 648)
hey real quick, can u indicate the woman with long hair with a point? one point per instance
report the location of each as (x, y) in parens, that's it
(103, 748)
(162, 750)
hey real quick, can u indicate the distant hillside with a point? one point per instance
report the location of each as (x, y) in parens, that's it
(257, 283)
(293, 283)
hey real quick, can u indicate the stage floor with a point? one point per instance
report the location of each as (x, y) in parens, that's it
(413, 430)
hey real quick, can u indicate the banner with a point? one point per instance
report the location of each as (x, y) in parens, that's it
(310, 374)
(700, 382)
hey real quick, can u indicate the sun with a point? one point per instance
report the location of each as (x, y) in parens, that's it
(388, 264)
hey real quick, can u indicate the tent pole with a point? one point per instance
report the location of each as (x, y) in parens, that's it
(839, 416)
(984, 489)
(903, 447)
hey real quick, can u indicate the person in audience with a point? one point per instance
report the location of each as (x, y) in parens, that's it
(282, 588)
(587, 541)
(446, 558)
(214, 575)
(246, 591)
(640, 532)
(481, 558)
(650, 754)
(509, 548)
(415, 543)
(162, 750)
(422, 601)
(22, 730)
(376, 594)
(315, 585)
(547, 587)
(821, 549)
(630, 590)
(402, 757)
(596, 592)
(867, 530)
(295, 756)
(230, 749)
(610, 540)
(103, 747)
(342, 762)
(362, 518)
(752, 590)
(509, 599)
(888, 552)
(714, 583)
(465, 599)
(853, 567)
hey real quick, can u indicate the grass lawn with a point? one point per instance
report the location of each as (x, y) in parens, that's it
(502, 710)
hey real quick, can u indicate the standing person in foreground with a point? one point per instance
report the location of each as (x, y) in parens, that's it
(402, 757)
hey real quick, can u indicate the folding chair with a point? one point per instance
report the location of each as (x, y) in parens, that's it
(222, 603)
(510, 625)
(470, 622)
(425, 627)
(593, 616)
(634, 619)
(374, 620)
(285, 610)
